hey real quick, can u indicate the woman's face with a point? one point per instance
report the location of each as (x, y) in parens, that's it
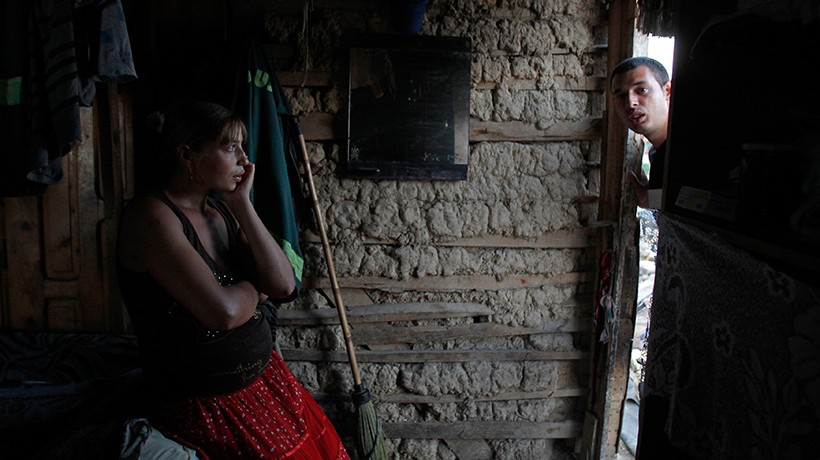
(221, 164)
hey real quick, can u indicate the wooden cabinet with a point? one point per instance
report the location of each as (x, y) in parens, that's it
(744, 142)
(58, 248)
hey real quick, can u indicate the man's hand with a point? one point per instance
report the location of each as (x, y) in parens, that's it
(641, 190)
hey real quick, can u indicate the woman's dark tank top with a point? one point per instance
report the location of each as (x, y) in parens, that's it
(181, 357)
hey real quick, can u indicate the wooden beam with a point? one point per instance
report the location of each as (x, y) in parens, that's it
(296, 78)
(115, 168)
(602, 419)
(559, 239)
(596, 84)
(454, 282)
(407, 398)
(92, 185)
(379, 313)
(24, 256)
(377, 335)
(320, 126)
(61, 288)
(519, 131)
(482, 430)
(62, 314)
(4, 280)
(61, 235)
(430, 356)
(296, 6)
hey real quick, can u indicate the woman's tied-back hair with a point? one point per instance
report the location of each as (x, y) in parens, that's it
(194, 123)
(657, 69)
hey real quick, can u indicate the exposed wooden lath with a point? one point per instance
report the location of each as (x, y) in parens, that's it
(657, 17)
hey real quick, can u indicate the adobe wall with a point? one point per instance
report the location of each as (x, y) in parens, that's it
(515, 238)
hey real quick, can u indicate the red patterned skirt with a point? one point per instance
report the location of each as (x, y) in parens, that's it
(272, 418)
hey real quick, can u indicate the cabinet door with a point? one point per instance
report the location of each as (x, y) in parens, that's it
(60, 246)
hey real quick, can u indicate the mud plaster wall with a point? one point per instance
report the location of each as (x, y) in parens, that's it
(495, 239)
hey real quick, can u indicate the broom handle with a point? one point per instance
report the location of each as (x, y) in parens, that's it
(334, 283)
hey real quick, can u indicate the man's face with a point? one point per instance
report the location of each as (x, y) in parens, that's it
(642, 103)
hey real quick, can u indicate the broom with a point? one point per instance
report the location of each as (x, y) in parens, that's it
(369, 437)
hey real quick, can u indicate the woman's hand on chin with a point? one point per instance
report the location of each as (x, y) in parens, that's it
(242, 192)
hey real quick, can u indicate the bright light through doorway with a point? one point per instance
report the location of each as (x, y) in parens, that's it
(661, 48)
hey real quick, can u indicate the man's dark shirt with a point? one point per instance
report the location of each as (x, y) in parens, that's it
(657, 157)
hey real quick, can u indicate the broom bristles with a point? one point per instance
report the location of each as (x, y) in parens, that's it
(369, 437)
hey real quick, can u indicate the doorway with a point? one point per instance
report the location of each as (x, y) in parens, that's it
(661, 49)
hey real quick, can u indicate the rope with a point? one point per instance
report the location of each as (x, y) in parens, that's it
(307, 8)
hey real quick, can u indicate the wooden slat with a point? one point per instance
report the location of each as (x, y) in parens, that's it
(519, 131)
(63, 314)
(94, 315)
(299, 78)
(596, 84)
(114, 169)
(356, 297)
(470, 449)
(127, 137)
(61, 289)
(454, 283)
(276, 51)
(4, 280)
(604, 403)
(374, 335)
(429, 356)
(482, 430)
(407, 398)
(383, 313)
(322, 127)
(295, 6)
(24, 255)
(318, 126)
(559, 239)
(61, 241)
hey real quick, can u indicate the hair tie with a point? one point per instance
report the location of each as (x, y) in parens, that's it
(155, 121)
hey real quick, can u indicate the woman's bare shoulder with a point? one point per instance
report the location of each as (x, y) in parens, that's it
(143, 210)
(147, 224)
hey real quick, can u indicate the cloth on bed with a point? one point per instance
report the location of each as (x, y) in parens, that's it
(144, 442)
(66, 395)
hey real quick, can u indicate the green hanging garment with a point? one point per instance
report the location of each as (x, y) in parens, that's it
(259, 100)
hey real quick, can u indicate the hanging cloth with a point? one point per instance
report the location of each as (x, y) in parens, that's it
(68, 45)
(14, 63)
(259, 100)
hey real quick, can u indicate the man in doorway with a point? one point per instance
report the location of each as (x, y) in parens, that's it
(641, 89)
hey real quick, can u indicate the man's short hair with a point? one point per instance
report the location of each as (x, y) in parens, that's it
(657, 69)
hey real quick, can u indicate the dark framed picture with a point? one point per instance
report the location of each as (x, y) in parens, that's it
(409, 107)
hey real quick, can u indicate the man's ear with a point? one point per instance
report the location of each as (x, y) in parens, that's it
(667, 88)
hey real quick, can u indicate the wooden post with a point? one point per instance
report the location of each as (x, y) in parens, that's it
(610, 361)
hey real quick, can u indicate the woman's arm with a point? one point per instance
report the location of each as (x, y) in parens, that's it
(274, 270)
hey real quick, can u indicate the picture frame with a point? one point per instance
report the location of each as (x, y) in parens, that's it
(408, 107)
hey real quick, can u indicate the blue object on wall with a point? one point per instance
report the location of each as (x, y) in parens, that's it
(408, 15)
